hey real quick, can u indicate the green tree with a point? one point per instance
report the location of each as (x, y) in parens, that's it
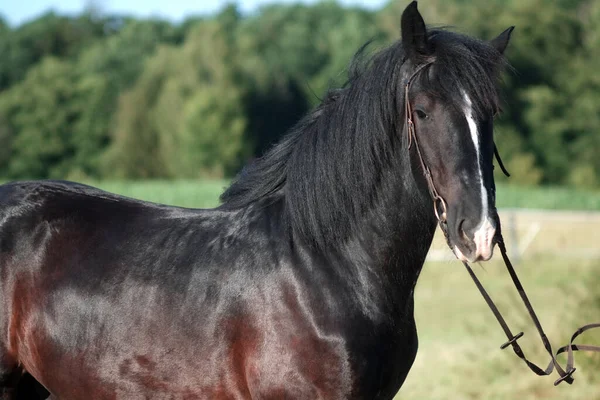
(184, 116)
(97, 96)
(134, 150)
(4, 28)
(48, 35)
(581, 82)
(291, 56)
(38, 117)
(109, 68)
(199, 113)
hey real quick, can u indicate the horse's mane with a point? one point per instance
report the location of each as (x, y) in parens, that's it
(328, 167)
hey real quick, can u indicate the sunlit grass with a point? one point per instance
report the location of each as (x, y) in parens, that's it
(550, 198)
(205, 193)
(459, 353)
(183, 193)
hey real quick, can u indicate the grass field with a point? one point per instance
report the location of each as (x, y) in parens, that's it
(197, 194)
(205, 194)
(459, 356)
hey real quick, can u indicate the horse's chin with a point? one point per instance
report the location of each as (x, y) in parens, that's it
(474, 256)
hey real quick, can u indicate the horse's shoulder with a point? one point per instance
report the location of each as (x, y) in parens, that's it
(26, 197)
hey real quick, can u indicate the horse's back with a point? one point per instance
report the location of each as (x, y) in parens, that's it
(90, 280)
(125, 293)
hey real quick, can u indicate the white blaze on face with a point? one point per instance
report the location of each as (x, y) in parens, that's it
(486, 230)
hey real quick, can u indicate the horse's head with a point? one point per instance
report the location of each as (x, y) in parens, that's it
(449, 87)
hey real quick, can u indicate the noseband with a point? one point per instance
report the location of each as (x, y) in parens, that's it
(440, 210)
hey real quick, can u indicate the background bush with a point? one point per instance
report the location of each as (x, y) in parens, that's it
(108, 96)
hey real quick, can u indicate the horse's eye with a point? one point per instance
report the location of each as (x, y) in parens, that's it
(421, 114)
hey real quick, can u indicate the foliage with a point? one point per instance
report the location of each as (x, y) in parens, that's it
(48, 36)
(182, 117)
(111, 67)
(111, 96)
(44, 108)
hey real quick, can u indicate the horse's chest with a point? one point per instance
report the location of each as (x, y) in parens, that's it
(358, 364)
(382, 360)
(297, 359)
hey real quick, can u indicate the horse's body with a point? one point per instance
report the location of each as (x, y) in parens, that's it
(299, 286)
(84, 269)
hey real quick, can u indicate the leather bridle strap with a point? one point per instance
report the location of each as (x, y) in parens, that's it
(500, 163)
(438, 201)
(412, 137)
(565, 374)
(512, 339)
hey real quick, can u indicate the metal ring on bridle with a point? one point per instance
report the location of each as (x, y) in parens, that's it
(443, 217)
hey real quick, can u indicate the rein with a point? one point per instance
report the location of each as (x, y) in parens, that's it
(439, 205)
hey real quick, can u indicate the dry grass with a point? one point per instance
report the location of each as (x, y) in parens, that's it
(532, 234)
(459, 356)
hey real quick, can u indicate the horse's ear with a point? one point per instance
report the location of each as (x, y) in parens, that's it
(414, 33)
(501, 41)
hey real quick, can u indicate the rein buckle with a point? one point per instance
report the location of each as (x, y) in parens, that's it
(511, 341)
(566, 377)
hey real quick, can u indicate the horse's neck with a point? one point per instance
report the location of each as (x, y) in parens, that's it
(394, 238)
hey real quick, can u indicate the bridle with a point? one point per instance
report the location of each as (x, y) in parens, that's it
(440, 209)
(412, 137)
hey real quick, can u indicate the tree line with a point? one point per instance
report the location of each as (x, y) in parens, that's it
(110, 97)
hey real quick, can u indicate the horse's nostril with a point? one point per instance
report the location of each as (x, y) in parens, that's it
(461, 230)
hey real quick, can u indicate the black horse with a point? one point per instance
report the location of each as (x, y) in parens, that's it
(300, 285)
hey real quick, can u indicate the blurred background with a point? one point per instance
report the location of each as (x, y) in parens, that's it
(166, 101)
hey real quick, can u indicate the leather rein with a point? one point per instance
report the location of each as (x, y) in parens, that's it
(439, 205)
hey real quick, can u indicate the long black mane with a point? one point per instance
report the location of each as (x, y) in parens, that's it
(329, 167)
